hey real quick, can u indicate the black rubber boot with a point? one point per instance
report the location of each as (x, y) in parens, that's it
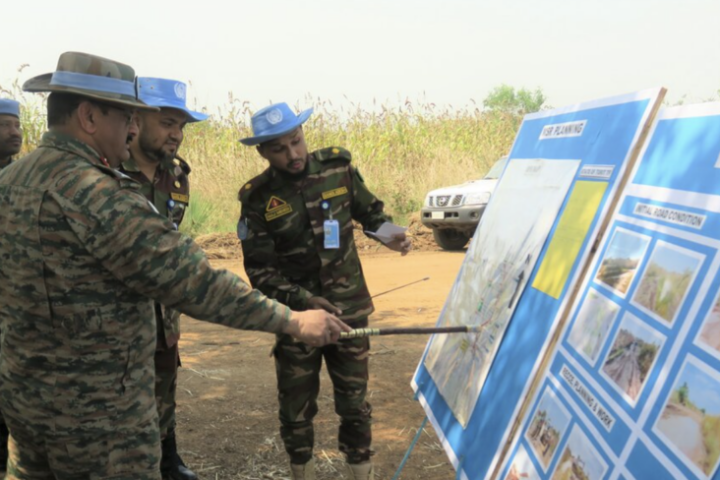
(171, 465)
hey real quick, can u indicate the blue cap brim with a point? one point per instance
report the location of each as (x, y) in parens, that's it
(192, 115)
(301, 118)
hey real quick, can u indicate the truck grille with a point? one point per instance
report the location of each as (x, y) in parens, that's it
(442, 200)
(457, 200)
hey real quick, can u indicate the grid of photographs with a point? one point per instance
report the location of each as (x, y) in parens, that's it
(666, 281)
(621, 260)
(689, 423)
(709, 335)
(547, 427)
(580, 459)
(631, 357)
(522, 467)
(592, 325)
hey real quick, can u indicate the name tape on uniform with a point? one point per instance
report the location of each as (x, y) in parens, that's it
(334, 193)
(180, 197)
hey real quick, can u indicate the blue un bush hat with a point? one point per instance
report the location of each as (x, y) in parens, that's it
(164, 93)
(273, 122)
(9, 107)
(90, 76)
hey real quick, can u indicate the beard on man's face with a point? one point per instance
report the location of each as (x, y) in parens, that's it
(155, 153)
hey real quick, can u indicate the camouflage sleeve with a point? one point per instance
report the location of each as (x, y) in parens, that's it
(366, 208)
(141, 248)
(261, 264)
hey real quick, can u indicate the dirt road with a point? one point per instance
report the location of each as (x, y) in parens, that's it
(684, 427)
(625, 371)
(227, 421)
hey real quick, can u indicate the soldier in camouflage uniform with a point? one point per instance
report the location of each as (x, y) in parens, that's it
(84, 258)
(297, 237)
(10, 143)
(10, 131)
(154, 162)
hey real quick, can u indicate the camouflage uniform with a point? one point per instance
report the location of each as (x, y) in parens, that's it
(169, 192)
(84, 256)
(282, 222)
(4, 433)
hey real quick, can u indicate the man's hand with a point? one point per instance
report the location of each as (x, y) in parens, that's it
(320, 303)
(400, 244)
(315, 327)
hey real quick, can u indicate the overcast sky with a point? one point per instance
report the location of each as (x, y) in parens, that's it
(448, 52)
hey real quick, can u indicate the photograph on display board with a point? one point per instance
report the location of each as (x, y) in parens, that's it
(579, 460)
(690, 420)
(592, 324)
(622, 258)
(522, 467)
(632, 356)
(547, 427)
(710, 331)
(667, 280)
(495, 271)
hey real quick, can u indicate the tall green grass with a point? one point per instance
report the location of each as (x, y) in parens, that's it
(402, 151)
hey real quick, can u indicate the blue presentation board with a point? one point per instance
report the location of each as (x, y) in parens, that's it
(632, 388)
(604, 135)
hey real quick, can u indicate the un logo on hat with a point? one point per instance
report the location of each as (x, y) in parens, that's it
(180, 90)
(274, 116)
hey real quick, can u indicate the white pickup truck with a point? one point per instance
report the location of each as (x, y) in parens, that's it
(454, 212)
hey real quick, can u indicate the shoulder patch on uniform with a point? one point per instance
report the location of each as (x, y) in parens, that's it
(252, 186)
(333, 153)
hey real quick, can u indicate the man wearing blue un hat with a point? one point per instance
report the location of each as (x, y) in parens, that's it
(296, 228)
(163, 175)
(10, 134)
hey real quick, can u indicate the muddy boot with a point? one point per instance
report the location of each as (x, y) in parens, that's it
(171, 465)
(361, 471)
(303, 472)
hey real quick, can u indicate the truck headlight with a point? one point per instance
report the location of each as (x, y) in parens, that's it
(427, 201)
(477, 198)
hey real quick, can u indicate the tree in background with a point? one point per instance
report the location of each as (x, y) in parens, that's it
(506, 99)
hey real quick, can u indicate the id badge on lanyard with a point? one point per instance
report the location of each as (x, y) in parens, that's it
(331, 230)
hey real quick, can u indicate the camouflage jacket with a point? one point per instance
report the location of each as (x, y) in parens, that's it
(170, 193)
(83, 257)
(5, 162)
(281, 228)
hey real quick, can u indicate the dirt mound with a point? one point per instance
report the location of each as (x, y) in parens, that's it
(226, 246)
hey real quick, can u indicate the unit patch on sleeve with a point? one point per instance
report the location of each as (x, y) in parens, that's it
(334, 193)
(276, 208)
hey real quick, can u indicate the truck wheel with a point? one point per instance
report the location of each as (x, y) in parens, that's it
(450, 239)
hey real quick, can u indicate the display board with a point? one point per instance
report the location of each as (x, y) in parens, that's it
(633, 385)
(516, 290)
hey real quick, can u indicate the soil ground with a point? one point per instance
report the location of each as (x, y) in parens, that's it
(227, 420)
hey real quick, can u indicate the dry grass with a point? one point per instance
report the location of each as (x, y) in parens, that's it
(402, 151)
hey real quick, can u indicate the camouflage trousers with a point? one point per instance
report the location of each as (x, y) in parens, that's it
(298, 374)
(132, 453)
(167, 361)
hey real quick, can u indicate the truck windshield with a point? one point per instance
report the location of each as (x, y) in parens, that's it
(496, 169)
